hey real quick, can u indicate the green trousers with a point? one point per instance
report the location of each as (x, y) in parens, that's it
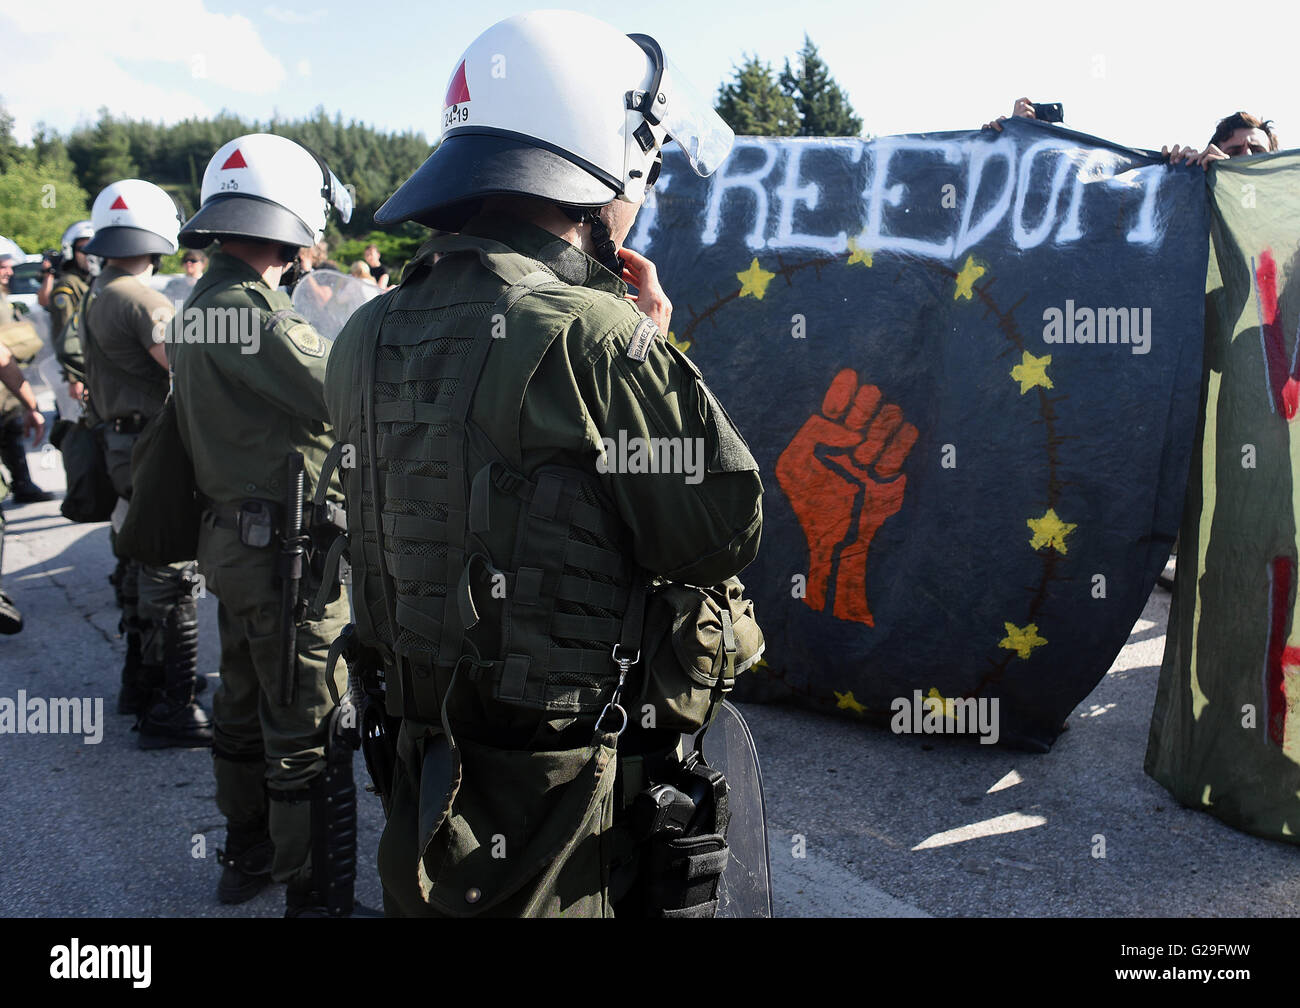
(262, 749)
(148, 593)
(497, 832)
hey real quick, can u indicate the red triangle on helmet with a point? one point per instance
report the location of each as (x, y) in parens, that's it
(457, 90)
(119, 204)
(236, 160)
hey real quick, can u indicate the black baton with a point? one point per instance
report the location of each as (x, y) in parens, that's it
(292, 551)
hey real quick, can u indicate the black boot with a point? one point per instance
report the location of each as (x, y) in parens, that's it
(246, 863)
(14, 456)
(11, 620)
(175, 718)
(138, 684)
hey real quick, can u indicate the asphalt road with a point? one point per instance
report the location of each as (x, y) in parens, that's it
(886, 825)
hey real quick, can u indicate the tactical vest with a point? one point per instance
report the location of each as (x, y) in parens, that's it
(525, 585)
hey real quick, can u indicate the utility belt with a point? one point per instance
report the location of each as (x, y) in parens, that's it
(132, 423)
(259, 522)
(260, 525)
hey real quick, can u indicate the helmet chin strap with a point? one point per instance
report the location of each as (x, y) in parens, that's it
(605, 250)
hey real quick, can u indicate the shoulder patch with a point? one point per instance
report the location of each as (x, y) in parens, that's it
(306, 339)
(642, 336)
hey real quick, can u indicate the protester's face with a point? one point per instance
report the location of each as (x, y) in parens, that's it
(193, 267)
(1245, 141)
(371, 256)
(6, 272)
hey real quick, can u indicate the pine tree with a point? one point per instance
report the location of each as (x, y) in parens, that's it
(824, 108)
(754, 105)
(102, 155)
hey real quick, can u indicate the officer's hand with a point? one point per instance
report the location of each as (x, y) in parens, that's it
(77, 391)
(640, 272)
(34, 425)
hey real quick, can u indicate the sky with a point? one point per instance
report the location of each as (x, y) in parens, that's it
(1139, 73)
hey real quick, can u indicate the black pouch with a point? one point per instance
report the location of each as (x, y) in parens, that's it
(91, 496)
(256, 523)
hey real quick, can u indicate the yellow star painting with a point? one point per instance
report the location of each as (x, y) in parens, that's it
(1032, 372)
(754, 281)
(1021, 640)
(859, 255)
(1049, 530)
(970, 272)
(846, 701)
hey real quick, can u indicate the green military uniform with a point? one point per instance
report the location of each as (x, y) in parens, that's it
(240, 415)
(122, 315)
(9, 315)
(65, 299)
(10, 620)
(20, 336)
(515, 817)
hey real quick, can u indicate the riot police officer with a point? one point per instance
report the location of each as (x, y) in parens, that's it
(71, 283)
(135, 224)
(249, 396)
(499, 549)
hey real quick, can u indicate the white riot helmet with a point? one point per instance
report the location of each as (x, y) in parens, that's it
(266, 187)
(561, 106)
(133, 217)
(74, 234)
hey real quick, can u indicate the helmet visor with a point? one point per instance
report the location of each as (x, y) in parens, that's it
(339, 196)
(690, 120)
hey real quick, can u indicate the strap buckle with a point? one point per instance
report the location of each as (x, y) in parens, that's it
(623, 665)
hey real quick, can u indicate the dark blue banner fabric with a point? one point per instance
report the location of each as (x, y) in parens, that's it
(969, 367)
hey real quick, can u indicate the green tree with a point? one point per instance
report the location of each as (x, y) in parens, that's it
(9, 149)
(38, 201)
(102, 154)
(753, 104)
(824, 108)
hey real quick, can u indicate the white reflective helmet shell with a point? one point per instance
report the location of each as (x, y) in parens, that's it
(74, 234)
(564, 78)
(273, 168)
(135, 203)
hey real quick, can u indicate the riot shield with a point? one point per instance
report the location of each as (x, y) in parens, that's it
(745, 889)
(327, 299)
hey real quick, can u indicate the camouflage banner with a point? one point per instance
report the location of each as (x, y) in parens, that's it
(1225, 735)
(967, 364)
